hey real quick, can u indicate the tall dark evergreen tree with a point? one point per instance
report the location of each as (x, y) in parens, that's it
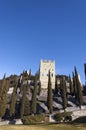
(56, 86)
(25, 104)
(63, 93)
(85, 72)
(13, 101)
(25, 80)
(85, 69)
(49, 95)
(39, 89)
(27, 109)
(71, 86)
(79, 90)
(74, 86)
(3, 96)
(34, 95)
(30, 73)
(23, 101)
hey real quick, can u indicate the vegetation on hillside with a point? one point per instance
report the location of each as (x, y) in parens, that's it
(49, 94)
(3, 96)
(30, 90)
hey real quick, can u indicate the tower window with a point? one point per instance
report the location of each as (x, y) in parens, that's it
(42, 74)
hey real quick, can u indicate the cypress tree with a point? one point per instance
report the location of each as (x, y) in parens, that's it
(25, 87)
(13, 101)
(63, 93)
(79, 90)
(74, 86)
(27, 107)
(39, 89)
(21, 84)
(23, 101)
(3, 96)
(49, 95)
(56, 87)
(71, 86)
(85, 70)
(34, 94)
(24, 77)
(27, 102)
(80, 94)
(23, 92)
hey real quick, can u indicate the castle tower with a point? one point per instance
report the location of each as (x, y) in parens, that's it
(45, 67)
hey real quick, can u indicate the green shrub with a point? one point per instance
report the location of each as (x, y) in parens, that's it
(33, 119)
(61, 116)
(58, 117)
(64, 114)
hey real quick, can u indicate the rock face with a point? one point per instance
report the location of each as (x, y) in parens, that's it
(18, 121)
(51, 119)
(79, 113)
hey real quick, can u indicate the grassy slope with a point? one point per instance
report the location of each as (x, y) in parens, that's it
(47, 127)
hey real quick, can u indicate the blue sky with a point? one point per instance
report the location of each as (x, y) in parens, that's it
(31, 30)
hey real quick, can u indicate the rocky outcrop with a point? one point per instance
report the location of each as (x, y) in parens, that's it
(79, 113)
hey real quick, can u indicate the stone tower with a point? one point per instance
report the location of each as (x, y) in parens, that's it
(45, 67)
